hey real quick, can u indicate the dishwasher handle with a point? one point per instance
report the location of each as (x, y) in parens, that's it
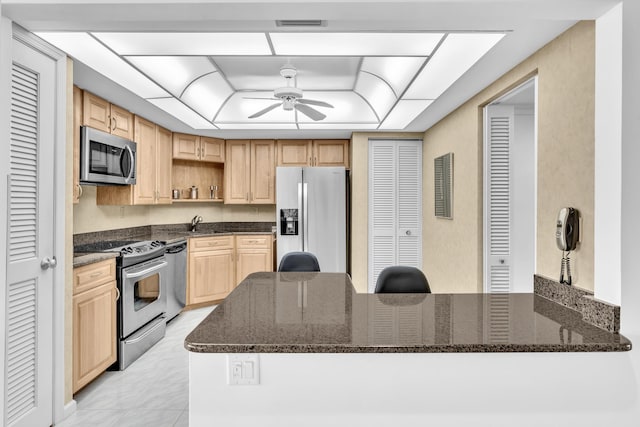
(176, 249)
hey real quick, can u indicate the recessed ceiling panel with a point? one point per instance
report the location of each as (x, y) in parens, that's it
(258, 126)
(453, 58)
(403, 113)
(337, 126)
(207, 94)
(355, 44)
(178, 110)
(186, 43)
(376, 92)
(87, 50)
(263, 73)
(395, 70)
(173, 73)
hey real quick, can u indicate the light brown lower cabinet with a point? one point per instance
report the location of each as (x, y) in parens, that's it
(218, 263)
(94, 321)
(211, 268)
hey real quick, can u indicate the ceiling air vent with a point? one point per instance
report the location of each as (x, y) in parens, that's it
(301, 23)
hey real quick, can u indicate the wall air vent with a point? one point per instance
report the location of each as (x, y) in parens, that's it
(300, 23)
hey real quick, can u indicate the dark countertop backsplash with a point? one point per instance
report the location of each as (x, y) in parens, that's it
(172, 232)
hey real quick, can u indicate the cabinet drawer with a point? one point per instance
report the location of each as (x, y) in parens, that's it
(257, 241)
(207, 243)
(92, 275)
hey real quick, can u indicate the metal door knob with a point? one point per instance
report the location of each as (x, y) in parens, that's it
(408, 233)
(47, 263)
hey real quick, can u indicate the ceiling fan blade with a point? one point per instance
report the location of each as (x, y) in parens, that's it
(314, 102)
(265, 110)
(309, 112)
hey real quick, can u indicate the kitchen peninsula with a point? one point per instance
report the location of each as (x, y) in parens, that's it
(320, 341)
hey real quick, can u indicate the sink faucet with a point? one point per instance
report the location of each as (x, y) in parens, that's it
(195, 221)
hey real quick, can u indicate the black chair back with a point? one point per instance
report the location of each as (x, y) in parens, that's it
(299, 261)
(399, 279)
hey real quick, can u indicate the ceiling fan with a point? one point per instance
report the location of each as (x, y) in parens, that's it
(290, 98)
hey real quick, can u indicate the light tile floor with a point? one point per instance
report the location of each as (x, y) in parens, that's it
(153, 391)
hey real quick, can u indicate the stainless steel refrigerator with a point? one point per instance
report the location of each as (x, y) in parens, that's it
(311, 210)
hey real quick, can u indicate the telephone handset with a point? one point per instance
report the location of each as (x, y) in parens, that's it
(567, 229)
(567, 237)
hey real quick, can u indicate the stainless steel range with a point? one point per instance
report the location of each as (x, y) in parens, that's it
(141, 275)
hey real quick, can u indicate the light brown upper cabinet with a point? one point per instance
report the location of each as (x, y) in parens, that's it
(102, 115)
(249, 172)
(153, 170)
(319, 152)
(199, 148)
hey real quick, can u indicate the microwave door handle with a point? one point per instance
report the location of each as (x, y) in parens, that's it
(145, 271)
(131, 163)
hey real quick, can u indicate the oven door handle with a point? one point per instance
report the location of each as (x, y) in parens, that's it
(152, 327)
(146, 271)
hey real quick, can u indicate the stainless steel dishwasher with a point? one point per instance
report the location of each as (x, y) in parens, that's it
(176, 255)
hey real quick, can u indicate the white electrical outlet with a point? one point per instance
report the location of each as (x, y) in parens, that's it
(243, 369)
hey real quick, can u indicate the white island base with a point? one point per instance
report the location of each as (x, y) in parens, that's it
(420, 389)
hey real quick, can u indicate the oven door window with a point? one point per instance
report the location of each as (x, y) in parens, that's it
(146, 291)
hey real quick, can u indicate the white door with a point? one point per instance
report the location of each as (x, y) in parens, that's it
(30, 228)
(510, 191)
(395, 205)
(499, 130)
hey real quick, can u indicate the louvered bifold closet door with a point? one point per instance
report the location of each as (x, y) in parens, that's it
(409, 202)
(382, 208)
(395, 205)
(29, 294)
(500, 131)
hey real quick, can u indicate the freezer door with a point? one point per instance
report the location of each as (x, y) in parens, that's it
(288, 196)
(324, 217)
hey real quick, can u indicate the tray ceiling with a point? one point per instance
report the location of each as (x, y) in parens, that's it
(372, 80)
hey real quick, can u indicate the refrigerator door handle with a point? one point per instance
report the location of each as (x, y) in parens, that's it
(301, 230)
(305, 216)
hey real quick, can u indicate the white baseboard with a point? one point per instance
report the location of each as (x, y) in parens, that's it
(69, 409)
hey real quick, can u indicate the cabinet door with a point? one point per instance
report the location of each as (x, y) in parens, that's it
(294, 152)
(253, 254)
(96, 112)
(145, 187)
(237, 172)
(94, 333)
(331, 152)
(211, 275)
(263, 172)
(77, 122)
(211, 149)
(121, 122)
(163, 165)
(186, 147)
(252, 261)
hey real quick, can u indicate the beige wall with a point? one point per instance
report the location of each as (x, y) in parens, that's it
(360, 202)
(87, 216)
(566, 87)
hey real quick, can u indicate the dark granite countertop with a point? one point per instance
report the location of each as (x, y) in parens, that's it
(169, 233)
(89, 258)
(322, 313)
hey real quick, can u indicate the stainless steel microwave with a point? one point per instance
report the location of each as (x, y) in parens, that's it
(106, 159)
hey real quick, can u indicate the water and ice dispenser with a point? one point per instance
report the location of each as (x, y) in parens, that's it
(288, 222)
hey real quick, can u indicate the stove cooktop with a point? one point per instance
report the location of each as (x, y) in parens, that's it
(126, 248)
